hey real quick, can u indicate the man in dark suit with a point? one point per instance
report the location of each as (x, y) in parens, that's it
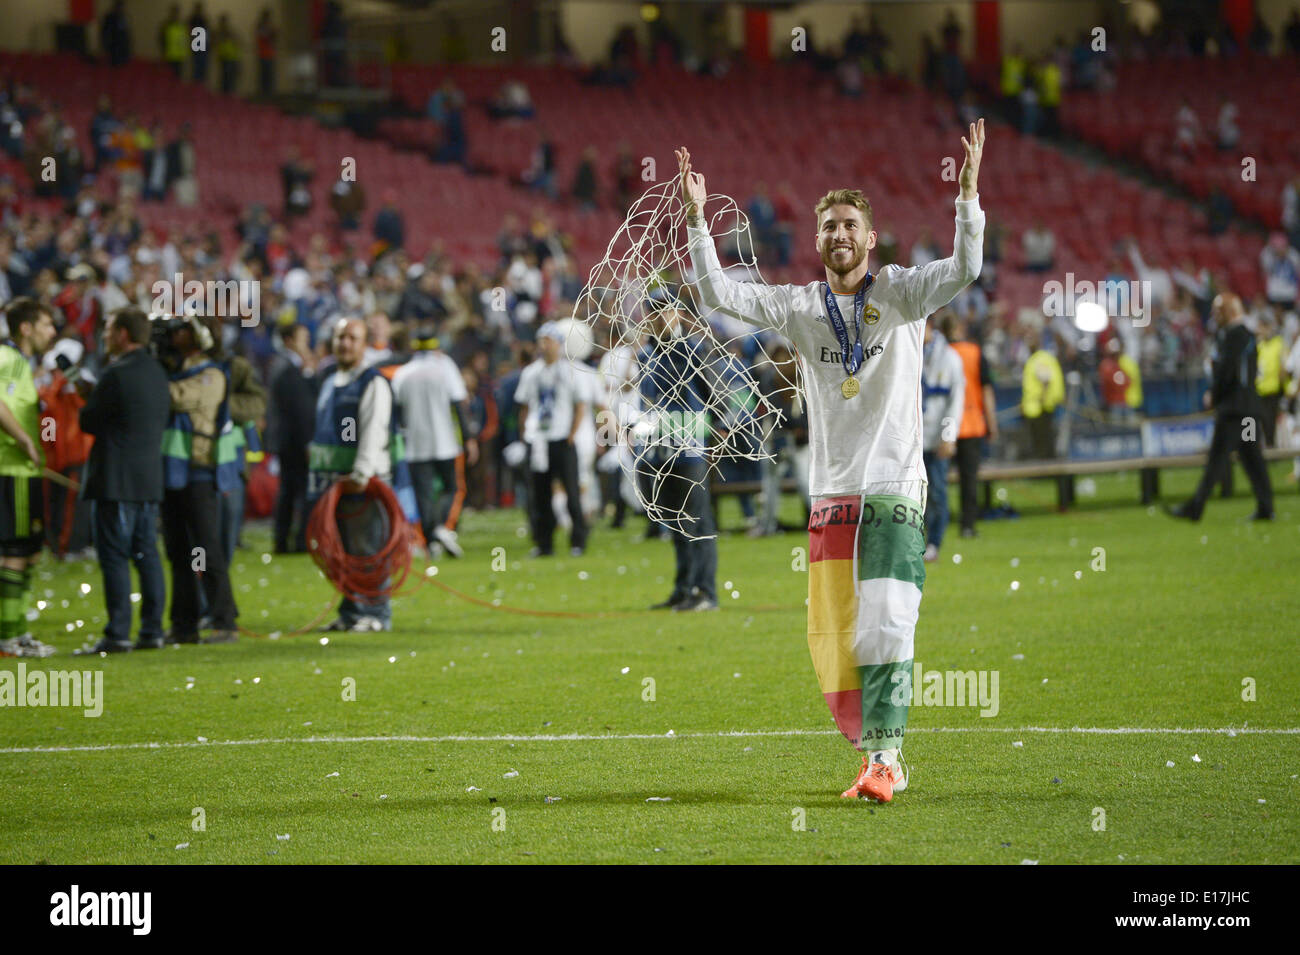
(1237, 410)
(292, 424)
(127, 413)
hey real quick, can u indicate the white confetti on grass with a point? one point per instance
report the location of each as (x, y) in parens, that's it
(331, 775)
(283, 838)
(182, 845)
(660, 799)
(510, 775)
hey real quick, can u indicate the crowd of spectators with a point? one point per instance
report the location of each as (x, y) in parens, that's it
(81, 247)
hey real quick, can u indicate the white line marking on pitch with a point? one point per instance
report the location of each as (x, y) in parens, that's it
(581, 738)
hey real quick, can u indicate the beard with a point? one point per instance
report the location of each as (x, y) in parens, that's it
(846, 266)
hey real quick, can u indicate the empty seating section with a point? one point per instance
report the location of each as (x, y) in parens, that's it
(1137, 121)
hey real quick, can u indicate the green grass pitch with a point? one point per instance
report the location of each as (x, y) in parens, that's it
(482, 735)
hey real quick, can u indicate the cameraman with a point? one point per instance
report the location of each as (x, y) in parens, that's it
(127, 413)
(246, 403)
(198, 465)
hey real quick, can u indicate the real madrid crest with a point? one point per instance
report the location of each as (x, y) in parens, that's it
(871, 315)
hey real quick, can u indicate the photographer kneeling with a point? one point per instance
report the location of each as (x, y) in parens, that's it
(199, 463)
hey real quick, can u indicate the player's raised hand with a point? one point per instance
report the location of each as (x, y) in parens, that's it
(693, 192)
(968, 180)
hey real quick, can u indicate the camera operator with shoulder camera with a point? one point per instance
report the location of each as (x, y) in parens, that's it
(199, 463)
(246, 403)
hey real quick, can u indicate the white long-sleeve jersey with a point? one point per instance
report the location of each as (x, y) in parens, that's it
(943, 393)
(875, 437)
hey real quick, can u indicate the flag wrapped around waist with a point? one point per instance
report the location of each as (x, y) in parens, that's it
(865, 574)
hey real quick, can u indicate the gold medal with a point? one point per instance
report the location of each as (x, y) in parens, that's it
(850, 388)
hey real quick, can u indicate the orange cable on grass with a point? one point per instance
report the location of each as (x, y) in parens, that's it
(369, 576)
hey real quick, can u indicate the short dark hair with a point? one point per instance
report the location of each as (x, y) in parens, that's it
(947, 322)
(136, 323)
(23, 310)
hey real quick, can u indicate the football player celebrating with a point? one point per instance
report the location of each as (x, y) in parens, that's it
(859, 337)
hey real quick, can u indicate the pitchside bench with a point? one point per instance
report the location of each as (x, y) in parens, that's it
(1064, 471)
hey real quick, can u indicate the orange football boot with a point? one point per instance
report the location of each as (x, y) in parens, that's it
(876, 781)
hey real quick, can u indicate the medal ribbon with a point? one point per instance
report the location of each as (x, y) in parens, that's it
(851, 357)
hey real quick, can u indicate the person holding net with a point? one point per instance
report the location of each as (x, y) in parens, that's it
(679, 380)
(859, 340)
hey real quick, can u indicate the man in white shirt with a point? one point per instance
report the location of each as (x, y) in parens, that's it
(618, 371)
(1281, 267)
(553, 399)
(859, 338)
(429, 389)
(1039, 246)
(943, 389)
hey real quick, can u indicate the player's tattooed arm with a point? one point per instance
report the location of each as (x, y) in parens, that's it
(693, 192)
(968, 180)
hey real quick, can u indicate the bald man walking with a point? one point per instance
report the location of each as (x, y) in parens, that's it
(1238, 410)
